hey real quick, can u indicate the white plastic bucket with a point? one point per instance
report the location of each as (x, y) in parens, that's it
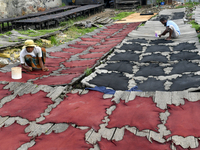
(16, 72)
(157, 33)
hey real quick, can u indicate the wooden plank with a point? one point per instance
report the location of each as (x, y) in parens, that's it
(163, 130)
(110, 110)
(12, 85)
(92, 137)
(88, 134)
(9, 121)
(2, 120)
(21, 89)
(117, 96)
(56, 92)
(96, 147)
(58, 128)
(133, 94)
(21, 121)
(125, 96)
(193, 96)
(119, 134)
(156, 137)
(107, 133)
(37, 129)
(178, 97)
(26, 145)
(162, 99)
(131, 129)
(143, 133)
(44, 88)
(6, 99)
(186, 142)
(164, 116)
(105, 96)
(135, 17)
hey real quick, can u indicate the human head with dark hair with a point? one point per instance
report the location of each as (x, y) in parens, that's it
(163, 21)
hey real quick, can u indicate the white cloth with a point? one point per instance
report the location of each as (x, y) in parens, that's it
(36, 52)
(175, 34)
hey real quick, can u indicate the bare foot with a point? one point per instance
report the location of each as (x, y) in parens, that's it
(168, 38)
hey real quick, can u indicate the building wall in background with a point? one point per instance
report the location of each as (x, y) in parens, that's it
(13, 8)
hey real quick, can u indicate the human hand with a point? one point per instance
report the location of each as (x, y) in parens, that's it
(29, 69)
(45, 69)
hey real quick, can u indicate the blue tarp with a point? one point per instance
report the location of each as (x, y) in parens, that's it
(110, 91)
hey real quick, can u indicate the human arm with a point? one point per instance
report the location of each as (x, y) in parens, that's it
(164, 32)
(42, 65)
(26, 67)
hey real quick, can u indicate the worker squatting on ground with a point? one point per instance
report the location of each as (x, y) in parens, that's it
(171, 28)
(33, 57)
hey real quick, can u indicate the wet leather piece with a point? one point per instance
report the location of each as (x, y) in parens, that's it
(154, 58)
(185, 82)
(117, 81)
(13, 136)
(138, 40)
(144, 114)
(125, 56)
(150, 70)
(132, 142)
(184, 66)
(70, 139)
(133, 47)
(151, 84)
(160, 41)
(122, 66)
(28, 106)
(83, 110)
(184, 119)
(157, 48)
(184, 46)
(178, 15)
(185, 56)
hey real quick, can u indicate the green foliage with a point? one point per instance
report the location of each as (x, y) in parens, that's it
(195, 25)
(198, 36)
(122, 15)
(159, 1)
(63, 4)
(5, 24)
(75, 32)
(142, 24)
(188, 4)
(22, 38)
(71, 21)
(68, 23)
(8, 33)
(42, 44)
(189, 15)
(139, 7)
(88, 71)
(181, 6)
(35, 33)
(54, 40)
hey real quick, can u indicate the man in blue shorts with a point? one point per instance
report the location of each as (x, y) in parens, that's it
(171, 28)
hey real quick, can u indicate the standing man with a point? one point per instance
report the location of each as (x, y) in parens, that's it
(171, 28)
(33, 57)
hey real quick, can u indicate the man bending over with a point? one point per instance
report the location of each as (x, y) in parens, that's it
(33, 57)
(171, 28)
